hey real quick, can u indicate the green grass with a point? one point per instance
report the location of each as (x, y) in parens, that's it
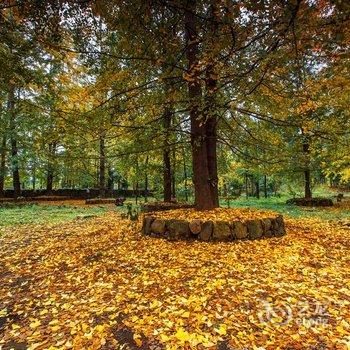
(33, 213)
(13, 216)
(279, 205)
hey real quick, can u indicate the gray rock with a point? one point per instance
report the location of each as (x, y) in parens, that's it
(146, 225)
(207, 231)
(222, 231)
(158, 226)
(239, 230)
(255, 229)
(177, 229)
(195, 226)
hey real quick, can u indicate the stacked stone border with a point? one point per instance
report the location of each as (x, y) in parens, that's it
(207, 230)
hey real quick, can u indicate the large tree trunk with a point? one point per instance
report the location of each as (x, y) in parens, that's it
(13, 141)
(167, 173)
(201, 178)
(3, 165)
(211, 112)
(102, 166)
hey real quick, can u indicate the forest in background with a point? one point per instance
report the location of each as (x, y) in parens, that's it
(195, 98)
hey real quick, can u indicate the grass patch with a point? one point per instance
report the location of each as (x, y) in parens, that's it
(34, 213)
(279, 205)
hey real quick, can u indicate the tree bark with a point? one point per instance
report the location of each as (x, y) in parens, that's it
(167, 173)
(110, 181)
(307, 172)
(246, 185)
(102, 166)
(257, 189)
(3, 165)
(185, 175)
(307, 177)
(50, 167)
(211, 114)
(265, 186)
(202, 188)
(173, 175)
(34, 177)
(146, 179)
(13, 140)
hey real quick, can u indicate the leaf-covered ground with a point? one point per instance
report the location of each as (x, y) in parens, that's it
(96, 284)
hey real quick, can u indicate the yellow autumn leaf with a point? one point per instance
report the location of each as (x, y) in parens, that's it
(35, 324)
(137, 339)
(222, 330)
(182, 335)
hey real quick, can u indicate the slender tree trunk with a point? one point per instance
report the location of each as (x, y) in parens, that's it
(3, 165)
(173, 175)
(136, 192)
(146, 179)
(307, 172)
(50, 167)
(246, 185)
(167, 173)
(34, 177)
(265, 186)
(257, 187)
(13, 141)
(185, 175)
(102, 166)
(110, 181)
(202, 188)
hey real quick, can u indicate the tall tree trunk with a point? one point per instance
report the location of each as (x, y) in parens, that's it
(307, 178)
(257, 189)
(50, 167)
(102, 166)
(307, 172)
(211, 143)
(110, 181)
(246, 185)
(265, 186)
(211, 113)
(173, 175)
(146, 179)
(202, 188)
(3, 165)
(167, 173)
(13, 140)
(34, 177)
(185, 175)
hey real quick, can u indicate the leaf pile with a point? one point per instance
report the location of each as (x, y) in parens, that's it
(219, 214)
(97, 284)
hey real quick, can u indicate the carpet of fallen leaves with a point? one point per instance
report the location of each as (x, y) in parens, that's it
(96, 284)
(219, 214)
